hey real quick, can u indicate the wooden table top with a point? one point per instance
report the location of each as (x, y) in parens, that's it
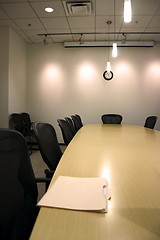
(129, 157)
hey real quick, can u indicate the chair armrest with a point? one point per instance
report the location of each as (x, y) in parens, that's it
(49, 173)
(44, 180)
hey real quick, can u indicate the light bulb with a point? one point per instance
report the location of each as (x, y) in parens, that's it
(114, 50)
(127, 11)
(108, 66)
(49, 9)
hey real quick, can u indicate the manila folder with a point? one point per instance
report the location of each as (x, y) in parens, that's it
(86, 194)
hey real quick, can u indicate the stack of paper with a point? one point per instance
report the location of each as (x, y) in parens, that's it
(74, 193)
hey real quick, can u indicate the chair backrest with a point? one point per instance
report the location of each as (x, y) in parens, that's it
(48, 144)
(66, 131)
(27, 122)
(111, 118)
(79, 119)
(69, 120)
(77, 122)
(150, 122)
(18, 189)
(18, 123)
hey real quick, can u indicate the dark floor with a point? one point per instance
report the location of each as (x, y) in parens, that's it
(38, 167)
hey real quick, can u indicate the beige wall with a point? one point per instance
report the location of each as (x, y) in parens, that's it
(63, 81)
(17, 74)
(59, 82)
(12, 74)
(4, 75)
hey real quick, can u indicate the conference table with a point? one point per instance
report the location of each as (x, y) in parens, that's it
(128, 156)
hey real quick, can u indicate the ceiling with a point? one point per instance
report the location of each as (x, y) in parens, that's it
(31, 22)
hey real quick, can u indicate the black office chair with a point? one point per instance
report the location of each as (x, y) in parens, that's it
(80, 120)
(48, 145)
(66, 131)
(18, 124)
(29, 131)
(18, 189)
(111, 119)
(27, 123)
(69, 120)
(77, 122)
(150, 122)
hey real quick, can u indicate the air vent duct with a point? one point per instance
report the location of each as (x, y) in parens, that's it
(80, 8)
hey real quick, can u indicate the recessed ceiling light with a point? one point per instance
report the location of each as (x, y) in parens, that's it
(49, 9)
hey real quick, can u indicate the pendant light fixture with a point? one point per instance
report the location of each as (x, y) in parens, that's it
(108, 74)
(108, 66)
(114, 49)
(127, 11)
(108, 62)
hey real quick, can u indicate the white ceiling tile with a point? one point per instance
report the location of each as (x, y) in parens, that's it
(8, 22)
(20, 13)
(138, 21)
(133, 29)
(157, 29)
(28, 24)
(33, 34)
(59, 30)
(119, 7)
(83, 30)
(81, 22)
(105, 31)
(3, 15)
(154, 37)
(24, 37)
(56, 22)
(158, 12)
(155, 22)
(19, 10)
(104, 7)
(13, 1)
(40, 6)
(145, 7)
(101, 22)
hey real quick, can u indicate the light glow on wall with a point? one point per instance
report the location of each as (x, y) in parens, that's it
(123, 68)
(154, 70)
(86, 72)
(51, 72)
(152, 79)
(52, 82)
(86, 79)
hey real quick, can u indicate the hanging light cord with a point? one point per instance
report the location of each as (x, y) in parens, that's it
(109, 22)
(114, 20)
